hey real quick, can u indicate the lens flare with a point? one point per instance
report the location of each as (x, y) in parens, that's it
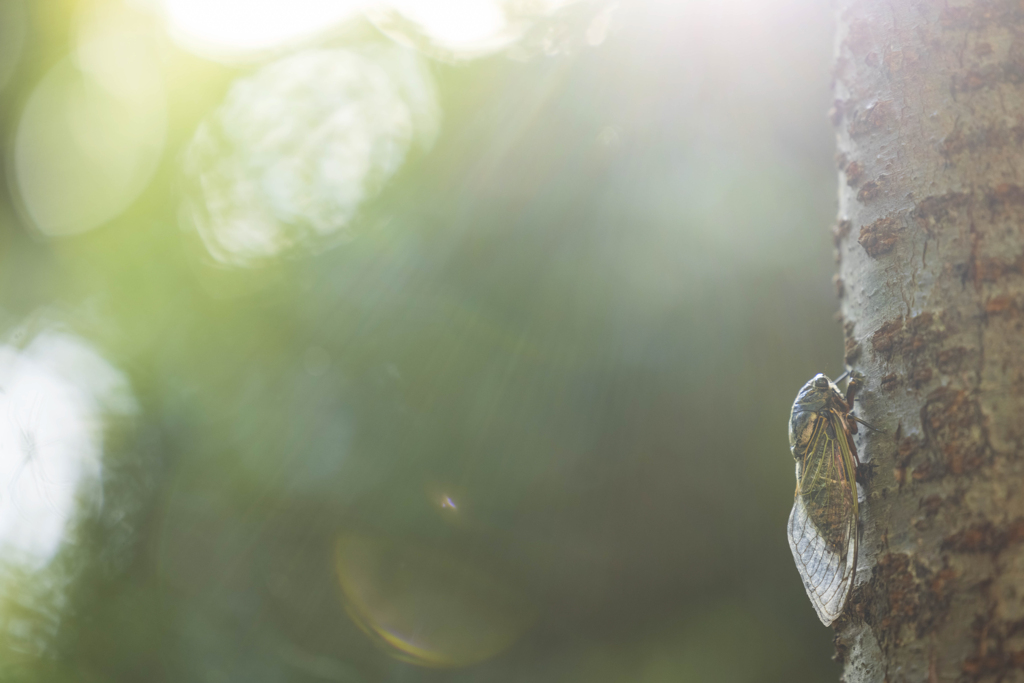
(426, 605)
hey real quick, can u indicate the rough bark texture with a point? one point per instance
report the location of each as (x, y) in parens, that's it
(929, 114)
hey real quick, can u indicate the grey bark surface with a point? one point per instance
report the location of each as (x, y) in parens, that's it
(929, 115)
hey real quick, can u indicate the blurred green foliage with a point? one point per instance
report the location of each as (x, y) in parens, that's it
(544, 380)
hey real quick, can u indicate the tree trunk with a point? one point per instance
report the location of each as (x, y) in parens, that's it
(930, 121)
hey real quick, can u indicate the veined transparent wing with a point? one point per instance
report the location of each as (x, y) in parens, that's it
(823, 523)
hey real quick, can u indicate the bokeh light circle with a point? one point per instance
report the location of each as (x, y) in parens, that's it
(92, 131)
(55, 393)
(293, 152)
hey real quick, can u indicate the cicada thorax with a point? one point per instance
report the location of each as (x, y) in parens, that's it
(815, 405)
(801, 427)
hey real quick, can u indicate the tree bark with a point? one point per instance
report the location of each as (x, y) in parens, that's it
(930, 123)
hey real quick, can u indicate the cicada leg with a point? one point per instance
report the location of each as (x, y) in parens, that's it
(855, 384)
(865, 423)
(853, 446)
(865, 471)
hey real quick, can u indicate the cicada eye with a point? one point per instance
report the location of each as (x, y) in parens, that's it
(821, 382)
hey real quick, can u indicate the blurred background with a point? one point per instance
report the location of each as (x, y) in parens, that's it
(425, 340)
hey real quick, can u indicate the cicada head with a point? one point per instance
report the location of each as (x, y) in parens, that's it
(816, 394)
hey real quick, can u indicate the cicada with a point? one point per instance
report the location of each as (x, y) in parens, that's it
(823, 526)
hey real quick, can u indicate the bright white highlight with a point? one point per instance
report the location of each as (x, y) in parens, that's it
(245, 30)
(54, 395)
(230, 30)
(465, 29)
(456, 23)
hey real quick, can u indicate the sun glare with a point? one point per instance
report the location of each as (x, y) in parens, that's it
(241, 30)
(237, 29)
(455, 22)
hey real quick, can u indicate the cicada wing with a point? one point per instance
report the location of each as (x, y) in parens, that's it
(823, 524)
(827, 575)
